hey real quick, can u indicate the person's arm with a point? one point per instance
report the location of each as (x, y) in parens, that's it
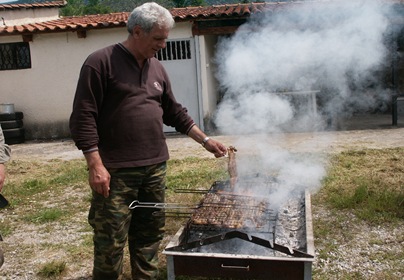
(98, 175)
(83, 123)
(211, 145)
(5, 153)
(2, 175)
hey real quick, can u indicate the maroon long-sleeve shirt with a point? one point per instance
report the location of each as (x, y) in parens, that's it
(121, 109)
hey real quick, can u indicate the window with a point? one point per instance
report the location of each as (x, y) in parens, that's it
(175, 50)
(15, 56)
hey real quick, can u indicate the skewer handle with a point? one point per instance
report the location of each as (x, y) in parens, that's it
(136, 204)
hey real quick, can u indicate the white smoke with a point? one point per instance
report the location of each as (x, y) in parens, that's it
(333, 47)
(329, 46)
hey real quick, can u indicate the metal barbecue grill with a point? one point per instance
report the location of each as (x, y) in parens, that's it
(240, 236)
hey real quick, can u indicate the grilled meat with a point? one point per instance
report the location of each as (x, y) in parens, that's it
(232, 166)
(230, 212)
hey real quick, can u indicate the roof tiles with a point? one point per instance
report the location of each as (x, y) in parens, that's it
(217, 11)
(69, 24)
(47, 4)
(120, 19)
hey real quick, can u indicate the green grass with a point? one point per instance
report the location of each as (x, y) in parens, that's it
(52, 270)
(367, 184)
(193, 173)
(361, 187)
(28, 179)
(45, 216)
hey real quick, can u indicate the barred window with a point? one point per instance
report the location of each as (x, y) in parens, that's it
(15, 56)
(175, 50)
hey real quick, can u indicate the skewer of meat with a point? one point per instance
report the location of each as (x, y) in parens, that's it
(232, 168)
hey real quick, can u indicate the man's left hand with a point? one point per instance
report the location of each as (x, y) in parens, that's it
(216, 148)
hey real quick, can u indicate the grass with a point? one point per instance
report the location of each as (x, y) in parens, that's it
(53, 269)
(368, 182)
(364, 186)
(362, 189)
(44, 216)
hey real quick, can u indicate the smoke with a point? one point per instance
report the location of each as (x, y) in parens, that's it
(271, 68)
(334, 47)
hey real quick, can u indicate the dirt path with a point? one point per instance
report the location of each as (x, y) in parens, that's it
(375, 132)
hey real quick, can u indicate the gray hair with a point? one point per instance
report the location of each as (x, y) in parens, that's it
(149, 14)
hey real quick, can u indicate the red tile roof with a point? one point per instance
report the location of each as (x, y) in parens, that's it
(47, 4)
(219, 11)
(69, 24)
(120, 19)
(112, 20)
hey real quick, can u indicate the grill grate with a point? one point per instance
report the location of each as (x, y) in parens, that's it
(226, 211)
(221, 211)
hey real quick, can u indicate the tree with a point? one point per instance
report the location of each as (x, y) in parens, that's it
(84, 7)
(73, 8)
(95, 7)
(187, 3)
(129, 5)
(91, 7)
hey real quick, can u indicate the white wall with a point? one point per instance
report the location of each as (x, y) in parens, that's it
(181, 30)
(45, 92)
(26, 16)
(209, 84)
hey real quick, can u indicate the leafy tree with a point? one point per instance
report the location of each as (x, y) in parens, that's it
(83, 7)
(89, 7)
(95, 7)
(73, 8)
(187, 3)
(123, 5)
(129, 5)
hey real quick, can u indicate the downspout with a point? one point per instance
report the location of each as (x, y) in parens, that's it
(199, 82)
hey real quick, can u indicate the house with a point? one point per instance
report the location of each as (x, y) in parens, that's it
(48, 50)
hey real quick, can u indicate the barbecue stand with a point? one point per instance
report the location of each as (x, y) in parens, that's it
(244, 236)
(187, 257)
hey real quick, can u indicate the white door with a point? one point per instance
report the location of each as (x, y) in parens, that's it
(178, 58)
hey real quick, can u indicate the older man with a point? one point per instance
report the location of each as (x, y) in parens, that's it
(122, 100)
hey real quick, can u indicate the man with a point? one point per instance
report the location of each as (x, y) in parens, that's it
(4, 157)
(122, 99)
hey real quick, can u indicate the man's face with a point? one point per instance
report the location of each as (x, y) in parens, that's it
(150, 43)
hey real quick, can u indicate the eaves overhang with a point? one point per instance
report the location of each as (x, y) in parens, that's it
(35, 5)
(216, 19)
(231, 14)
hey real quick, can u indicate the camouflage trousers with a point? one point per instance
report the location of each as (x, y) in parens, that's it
(114, 223)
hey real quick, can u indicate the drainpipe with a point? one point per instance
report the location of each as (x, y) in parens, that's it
(199, 81)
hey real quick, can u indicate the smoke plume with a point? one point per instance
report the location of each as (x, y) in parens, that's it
(332, 48)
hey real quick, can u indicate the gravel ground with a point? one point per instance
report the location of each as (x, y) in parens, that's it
(356, 247)
(362, 250)
(365, 131)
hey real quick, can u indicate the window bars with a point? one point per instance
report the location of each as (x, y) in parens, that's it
(175, 50)
(15, 56)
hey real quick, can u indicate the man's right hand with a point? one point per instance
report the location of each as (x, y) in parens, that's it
(98, 177)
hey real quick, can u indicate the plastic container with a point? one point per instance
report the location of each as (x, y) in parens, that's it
(7, 108)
